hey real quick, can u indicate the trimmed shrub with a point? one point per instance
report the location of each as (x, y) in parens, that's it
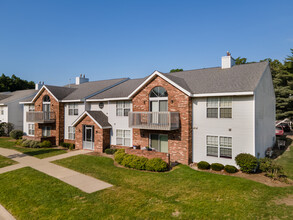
(156, 164)
(66, 145)
(119, 156)
(138, 163)
(26, 143)
(71, 146)
(110, 151)
(246, 162)
(203, 165)
(19, 142)
(6, 128)
(127, 160)
(46, 144)
(217, 166)
(120, 151)
(16, 134)
(230, 169)
(34, 144)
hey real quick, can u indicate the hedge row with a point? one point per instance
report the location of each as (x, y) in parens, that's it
(140, 163)
(203, 165)
(33, 144)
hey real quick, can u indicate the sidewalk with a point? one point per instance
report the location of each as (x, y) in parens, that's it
(83, 182)
(4, 214)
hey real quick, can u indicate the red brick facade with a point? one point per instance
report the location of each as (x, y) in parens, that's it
(179, 141)
(101, 136)
(57, 131)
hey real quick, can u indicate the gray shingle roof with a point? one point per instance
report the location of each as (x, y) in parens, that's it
(19, 95)
(100, 117)
(86, 89)
(60, 92)
(239, 78)
(122, 90)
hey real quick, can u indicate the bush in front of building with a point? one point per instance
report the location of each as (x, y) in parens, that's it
(34, 144)
(203, 165)
(110, 151)
(6, 128)
(230, 169)
(217, 166)
(16, 134)
(19, 142)
(66, 145)
(71, 146)
(46, 144)
(246, 162)
(156, 164)
(119, 155)
(127, 160)
(139, 163)
(271, 168)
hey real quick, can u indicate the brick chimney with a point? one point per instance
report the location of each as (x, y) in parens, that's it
(227, 61)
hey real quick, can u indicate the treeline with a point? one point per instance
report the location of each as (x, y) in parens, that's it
(14, 83)
(282, 74)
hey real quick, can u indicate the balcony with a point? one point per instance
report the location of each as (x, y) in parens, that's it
(154, 120)
(41, 117)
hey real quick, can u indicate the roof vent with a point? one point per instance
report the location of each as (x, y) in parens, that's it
(81, 79)
(227, 61)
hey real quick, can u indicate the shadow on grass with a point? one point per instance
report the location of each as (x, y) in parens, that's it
(42, 151)
(279, 151)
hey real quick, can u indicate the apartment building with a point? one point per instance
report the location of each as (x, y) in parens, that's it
(209, 114)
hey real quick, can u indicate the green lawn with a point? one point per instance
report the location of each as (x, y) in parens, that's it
(286, 160)
(183, 193)
(6, 161)
(37, 152)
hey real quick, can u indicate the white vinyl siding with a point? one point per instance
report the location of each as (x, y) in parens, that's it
(219, 146)
(73, 109)
(219, 107)
(71, 133)
(31, 108)
(123, 137)
(31, 129)
(122, 108)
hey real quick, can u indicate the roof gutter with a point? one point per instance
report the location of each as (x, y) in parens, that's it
(223, 94)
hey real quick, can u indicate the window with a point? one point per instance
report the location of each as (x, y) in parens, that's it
(101, 105)
(220, 144)
(71, 133)
(31, 129)
(31, 108)
(1, 110)
(123, 137)
(159, 142)
(158, 92)
(219, 107)
(73, 109)
(46, 131)
(122, 108)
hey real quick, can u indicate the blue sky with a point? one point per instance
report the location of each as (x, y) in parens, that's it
(54, 41)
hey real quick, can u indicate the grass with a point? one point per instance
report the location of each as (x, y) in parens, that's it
(286, 160)
(36, 152)
(182, 193)
(6, 161)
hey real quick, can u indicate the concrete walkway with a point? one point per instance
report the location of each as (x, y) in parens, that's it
(83, 182)
(4, 214)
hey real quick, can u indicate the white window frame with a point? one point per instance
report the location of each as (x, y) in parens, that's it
(123, 136)
(31, 108)
(123, 108)
(73, 109)
(220, 101)
(31, 129)
(1, 110)
(46, 131)
(219, 146)
(71, 132)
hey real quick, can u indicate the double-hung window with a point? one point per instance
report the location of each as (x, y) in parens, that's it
(1, 110)
(71, 133)
(31, 129)
(219, 107)
(219, 146)
(46, 131)
(73, 109)
(123, 137)
(122, 108)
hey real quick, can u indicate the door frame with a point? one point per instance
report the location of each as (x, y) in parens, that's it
(150, 141)
(88, 145)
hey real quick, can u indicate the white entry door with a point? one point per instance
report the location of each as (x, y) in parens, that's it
(88, 137)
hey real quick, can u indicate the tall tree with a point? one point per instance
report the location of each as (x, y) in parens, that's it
(14, 83)
(175, 70)
(240, 60)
